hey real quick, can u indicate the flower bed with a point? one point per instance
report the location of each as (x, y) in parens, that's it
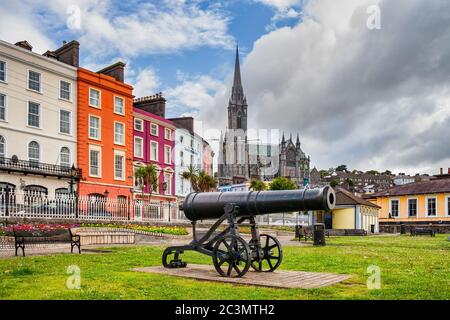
(38, 228)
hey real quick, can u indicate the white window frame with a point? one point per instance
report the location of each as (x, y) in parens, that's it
(28, 151)
(123, 133)
(5, 146)
(70, 91)
(157, 150)
(40, 81)
(168, 132)
(39, 115)
(99, 127)
(417, 207)
(123, 105)
(141, 148)
(142, 124)
(447, 207)
(167, 147)
(6, 107)
(169, 175)
(99, 98)
(151, 129)
(426, 205)
(390, 208)
(6, 72)
(70, 156)
(99, 150)
(121, 154)
(70, 121)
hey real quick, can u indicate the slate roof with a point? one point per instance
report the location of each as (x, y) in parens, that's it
(344, 197)
(423, 187)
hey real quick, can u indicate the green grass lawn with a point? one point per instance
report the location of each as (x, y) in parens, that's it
(411, 268)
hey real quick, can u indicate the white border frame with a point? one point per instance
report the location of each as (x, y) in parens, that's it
(417, 207)
(390, 208)
(99, 127)
(99, 149)
(123, 135)
(99, 98)
(114, 105)
(142, 147)
(426, 206)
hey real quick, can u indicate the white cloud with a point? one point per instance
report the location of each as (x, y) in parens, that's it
(145, 83)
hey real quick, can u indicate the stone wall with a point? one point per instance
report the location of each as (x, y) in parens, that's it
(405, 227)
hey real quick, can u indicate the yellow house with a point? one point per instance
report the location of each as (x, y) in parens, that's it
(350, 212)
(426, 202)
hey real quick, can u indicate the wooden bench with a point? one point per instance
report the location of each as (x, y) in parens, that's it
(26, 237)
(422, 232)
(307, 232)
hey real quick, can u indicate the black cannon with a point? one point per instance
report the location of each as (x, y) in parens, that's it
(232, 256)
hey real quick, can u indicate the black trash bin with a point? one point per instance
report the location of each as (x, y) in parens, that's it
(402, 228)
(319, 234)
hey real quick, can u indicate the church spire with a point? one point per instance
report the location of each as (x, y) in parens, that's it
(237, 91)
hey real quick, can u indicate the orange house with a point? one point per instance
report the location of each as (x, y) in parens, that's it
(105, 133)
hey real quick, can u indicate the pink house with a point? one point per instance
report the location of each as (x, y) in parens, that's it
(153, 138)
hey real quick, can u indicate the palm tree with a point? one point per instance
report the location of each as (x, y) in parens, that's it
(257, 185)
(192, 176)
(148, 177)
(205, 182)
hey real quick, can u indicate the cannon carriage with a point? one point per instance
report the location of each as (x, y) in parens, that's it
(233, 256)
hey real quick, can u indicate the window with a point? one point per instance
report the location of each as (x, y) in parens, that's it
(182, 158)
(167, 134)
(448, 206)
(138, 147)
(154, 129)
(412, 207)
(64, 121)
(94, 163)
(2, 107)
(394, 208)
(34, 81)
(119, 133)
(2, 147)
(64, 90)
(119, 105)
(94, 98)
(2, 71)
(181, 139)
(153, 151)
(168, 181)
(34, 114)
(119, 166)
(431, 206)
(138, 124)
(167, 154)
(64, 157)
(33, 152)
(94, 127)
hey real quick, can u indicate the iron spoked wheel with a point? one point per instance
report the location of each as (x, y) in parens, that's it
(272, 254)
(171, 259)
(231, 256)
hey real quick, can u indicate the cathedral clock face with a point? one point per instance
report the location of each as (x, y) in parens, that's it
(290, 158)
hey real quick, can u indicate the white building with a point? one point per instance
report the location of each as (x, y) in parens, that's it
(38, 112)
(188, 152)
(402, 179)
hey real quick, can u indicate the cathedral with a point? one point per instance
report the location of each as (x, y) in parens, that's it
(241, 160)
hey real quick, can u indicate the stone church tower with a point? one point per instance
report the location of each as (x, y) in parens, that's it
(293, 161)
(233, 157)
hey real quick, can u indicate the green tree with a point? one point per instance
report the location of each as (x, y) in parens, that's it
(388, 173)
(192, 176)
(374, 172)
(257, 185)
(341, 167)
(350, 182)
(200, 181)
(147, 176)
(333, 183)
(282, 183)
(323, 173)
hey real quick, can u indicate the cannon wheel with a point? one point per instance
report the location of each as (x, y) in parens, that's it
(272, 254)
(171, 259)
(231, 256)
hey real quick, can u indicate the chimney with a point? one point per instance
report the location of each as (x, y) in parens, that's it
(69, 53)
(186, 123)
(25, 45)
(116, 70)
(155, 104)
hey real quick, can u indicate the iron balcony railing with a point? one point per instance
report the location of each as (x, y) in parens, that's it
(34, 167)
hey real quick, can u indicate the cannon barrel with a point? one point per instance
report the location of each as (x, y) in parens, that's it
(210, 205)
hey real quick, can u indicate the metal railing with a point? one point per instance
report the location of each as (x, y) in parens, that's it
(24, 166)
